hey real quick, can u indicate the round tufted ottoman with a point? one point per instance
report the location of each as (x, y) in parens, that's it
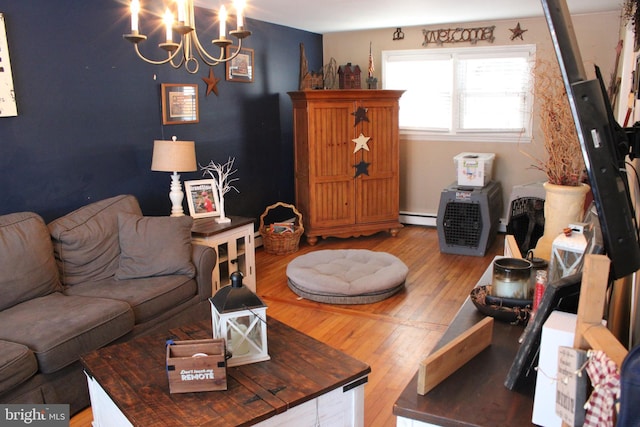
(346, 276)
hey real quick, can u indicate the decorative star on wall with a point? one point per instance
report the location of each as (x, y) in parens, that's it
(212, 83)
(361, 142)
(517, 32)
(361, 115)
(362, 168)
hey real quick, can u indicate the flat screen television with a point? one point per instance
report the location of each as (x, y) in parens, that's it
(604, 144)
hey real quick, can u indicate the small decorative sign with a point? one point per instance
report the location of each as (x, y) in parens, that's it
(197, 365)
(458, 35)
(571, 386)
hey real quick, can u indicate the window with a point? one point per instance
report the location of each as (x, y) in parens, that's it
(479, 93)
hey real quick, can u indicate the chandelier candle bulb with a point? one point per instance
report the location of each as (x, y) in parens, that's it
(135, 9)
(223, 21)
(239, 6)
(180, 4)
(168, 22)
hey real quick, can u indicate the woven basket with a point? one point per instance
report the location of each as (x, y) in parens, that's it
(281, 243)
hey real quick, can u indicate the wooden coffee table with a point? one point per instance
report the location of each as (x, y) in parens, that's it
(304, 380)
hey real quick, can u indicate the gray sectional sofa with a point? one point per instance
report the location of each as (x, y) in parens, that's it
(99, 275)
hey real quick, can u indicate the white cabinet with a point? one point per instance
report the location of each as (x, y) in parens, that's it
(341, 407)
(234, 243)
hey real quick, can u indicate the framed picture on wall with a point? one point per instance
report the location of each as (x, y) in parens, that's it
(202, 198)
(179, 103)
(240, 68)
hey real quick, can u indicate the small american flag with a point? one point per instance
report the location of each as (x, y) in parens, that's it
(371, 67)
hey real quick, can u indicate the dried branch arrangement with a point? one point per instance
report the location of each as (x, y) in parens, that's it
(631, 12)
(221, 174)
(564, 164)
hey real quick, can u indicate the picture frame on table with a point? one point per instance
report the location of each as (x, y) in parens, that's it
(202, 198)
(561, 295)
(179, 103)
(240, 68)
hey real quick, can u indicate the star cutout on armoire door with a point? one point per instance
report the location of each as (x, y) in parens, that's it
(361, 116)
(361, 143)
(362, 168)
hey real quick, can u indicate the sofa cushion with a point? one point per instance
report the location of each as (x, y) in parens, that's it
(59, 328)
(26, 259)
(148, 297)
(154, 246)
(17, 364)
(85, 241)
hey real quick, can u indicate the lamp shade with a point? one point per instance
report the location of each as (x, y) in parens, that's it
(174, 156)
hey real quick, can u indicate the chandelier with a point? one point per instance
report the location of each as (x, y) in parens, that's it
(182, 53)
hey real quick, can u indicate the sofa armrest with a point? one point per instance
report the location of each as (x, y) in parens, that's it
(205, 259)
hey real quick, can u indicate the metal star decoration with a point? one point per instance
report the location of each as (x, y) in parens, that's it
(361, 142)
(517, 32)
(362, 168)
(361, 115)
(212, 83)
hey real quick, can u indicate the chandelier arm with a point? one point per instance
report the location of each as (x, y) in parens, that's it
(179, 64)
(236, 53)
(204, 55)
(160, 62)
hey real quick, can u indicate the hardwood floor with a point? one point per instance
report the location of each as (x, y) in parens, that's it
(393, 335)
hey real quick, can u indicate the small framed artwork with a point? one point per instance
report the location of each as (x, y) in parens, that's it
(179, 103)
(202, 198)
(240, 68)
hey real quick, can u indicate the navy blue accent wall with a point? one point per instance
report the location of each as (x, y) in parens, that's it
(89, 110)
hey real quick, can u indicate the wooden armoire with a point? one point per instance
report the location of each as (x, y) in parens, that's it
(347, 161)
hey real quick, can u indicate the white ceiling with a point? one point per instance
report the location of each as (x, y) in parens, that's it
(326, 16)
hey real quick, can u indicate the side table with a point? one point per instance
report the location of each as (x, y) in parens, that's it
(234, 243)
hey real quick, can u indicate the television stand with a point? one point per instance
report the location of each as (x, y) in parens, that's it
(475, 394)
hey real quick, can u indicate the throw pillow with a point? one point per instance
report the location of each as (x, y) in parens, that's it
(26, 259)
(85, 241)
(154, 246)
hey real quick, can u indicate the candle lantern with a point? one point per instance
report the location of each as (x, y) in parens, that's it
(240, 317)
(567, 251)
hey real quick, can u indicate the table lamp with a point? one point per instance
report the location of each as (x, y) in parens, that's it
(174, 156)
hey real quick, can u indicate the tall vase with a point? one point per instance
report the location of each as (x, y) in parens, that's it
(563, 205)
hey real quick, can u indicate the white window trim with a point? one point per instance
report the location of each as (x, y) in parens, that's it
(465, 136)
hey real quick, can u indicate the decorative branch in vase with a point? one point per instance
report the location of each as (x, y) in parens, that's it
(564, 164)
(631, 13)
(221, 174)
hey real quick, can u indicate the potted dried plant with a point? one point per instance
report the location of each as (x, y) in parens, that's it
(563, 165)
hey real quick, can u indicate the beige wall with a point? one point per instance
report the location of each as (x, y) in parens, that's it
(427, 166)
